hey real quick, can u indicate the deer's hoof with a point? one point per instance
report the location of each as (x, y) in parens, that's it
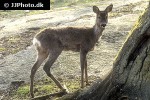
(32, 95)
(65, 90)
(87, 84)
(82, 86)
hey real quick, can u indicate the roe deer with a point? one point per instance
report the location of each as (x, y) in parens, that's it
(52, 41)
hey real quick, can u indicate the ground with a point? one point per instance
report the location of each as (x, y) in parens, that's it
(17, 55)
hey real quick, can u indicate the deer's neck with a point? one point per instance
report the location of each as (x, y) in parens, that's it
(98, 31)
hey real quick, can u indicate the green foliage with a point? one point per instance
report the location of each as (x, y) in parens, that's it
(23, 91)
(2, 49)
(42, 88)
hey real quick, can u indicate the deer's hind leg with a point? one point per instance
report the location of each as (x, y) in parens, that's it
(41, 56)
(54, 53)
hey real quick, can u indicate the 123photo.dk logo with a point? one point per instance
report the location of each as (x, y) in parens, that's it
(25, 5)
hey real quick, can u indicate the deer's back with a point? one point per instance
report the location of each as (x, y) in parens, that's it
(71, 38)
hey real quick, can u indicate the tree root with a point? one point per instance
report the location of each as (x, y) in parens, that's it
(44, 97)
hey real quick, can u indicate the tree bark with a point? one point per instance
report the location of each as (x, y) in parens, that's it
(130, 76)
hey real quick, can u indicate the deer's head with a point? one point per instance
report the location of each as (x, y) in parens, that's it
(102, 16)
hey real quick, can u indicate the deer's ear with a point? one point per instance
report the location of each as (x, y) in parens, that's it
(95, 9)
(109, 8)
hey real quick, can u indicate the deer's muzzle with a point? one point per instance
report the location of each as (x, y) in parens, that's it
(103, 25)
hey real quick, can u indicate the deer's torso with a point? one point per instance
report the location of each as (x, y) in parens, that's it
(71, 38)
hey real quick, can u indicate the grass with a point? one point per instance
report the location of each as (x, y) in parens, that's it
(42, 88)
(22, 91)
(14, 43)
(2, 49)
(18, 13)
(46, 86)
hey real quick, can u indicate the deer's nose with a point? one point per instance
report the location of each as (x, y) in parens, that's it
(103, 25)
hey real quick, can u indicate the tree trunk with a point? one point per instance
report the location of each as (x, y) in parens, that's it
(130, 76)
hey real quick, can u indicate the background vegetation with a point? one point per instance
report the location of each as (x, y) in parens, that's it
(53, 4)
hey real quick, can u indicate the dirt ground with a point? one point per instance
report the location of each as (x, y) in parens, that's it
(17, 55)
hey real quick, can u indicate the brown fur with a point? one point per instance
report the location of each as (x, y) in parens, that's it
(70, 38)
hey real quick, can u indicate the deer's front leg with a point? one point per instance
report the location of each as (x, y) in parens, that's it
(83, 54)
(86, 73)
